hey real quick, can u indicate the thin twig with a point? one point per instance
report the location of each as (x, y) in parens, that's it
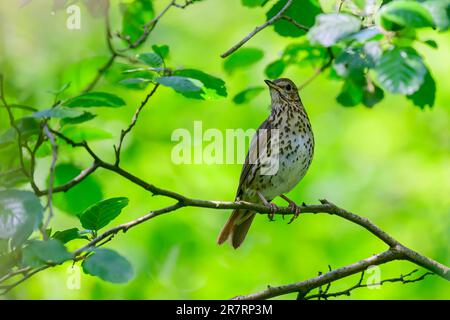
(295, 23)
(123, 133)
(325, 66)
(347, 292)
(51, 181)
(269, 22)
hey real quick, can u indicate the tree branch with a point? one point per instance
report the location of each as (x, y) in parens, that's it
(269, 22)
(133, 123)
(402, 278)
(52, 140)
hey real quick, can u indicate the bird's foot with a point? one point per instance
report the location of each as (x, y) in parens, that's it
(273, 208)
(295, 209)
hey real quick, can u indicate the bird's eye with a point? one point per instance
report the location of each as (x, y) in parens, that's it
(288, 87)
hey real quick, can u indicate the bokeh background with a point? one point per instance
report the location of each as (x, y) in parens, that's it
(390, 164)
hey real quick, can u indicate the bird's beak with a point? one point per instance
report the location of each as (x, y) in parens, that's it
(272, 85)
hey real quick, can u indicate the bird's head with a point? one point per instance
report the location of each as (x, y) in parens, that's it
(283, 89)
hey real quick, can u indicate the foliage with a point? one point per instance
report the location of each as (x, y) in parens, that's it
(372, 49)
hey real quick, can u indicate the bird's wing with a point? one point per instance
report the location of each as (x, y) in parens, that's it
(257, 149)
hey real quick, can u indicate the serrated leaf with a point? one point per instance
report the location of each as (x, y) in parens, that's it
(151, 59)
(109, 266)
(400, 14)
(58, 112)
(100, 214)
(401, 70)
(275, 69)
(426, 94)
(95, 99)
(212, 87)
(135, 15)
(303, 12)
(51, 251)
(80, 196)
(180, 84)
(247, 95)
(332, 27)
(244, 57)
(20, 214)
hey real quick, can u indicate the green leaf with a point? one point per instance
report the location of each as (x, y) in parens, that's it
(372, 95)
(426, 94)
(79, 197)
(244, 57)
(28, 127)
(68, 235)
(135, 15)
(366, 34)
(100, 214)
(440, 11)
(212, 87)
(431, 43)
(351, 94)
(401, 70)
(38, 253)
(303, 12)
(247, 95)
(7, 259)
(151, 59)
(332, 27)
(85, 116)
(20, 214)
(275, 69)
(58, 112)
(95, 99)
(253, 3)
(351, 62)
(85, 134)
(161, 50)
(134, 81)
(402, 14)
(180, 84)
(109, 266)
(362, 8)
(12, 178)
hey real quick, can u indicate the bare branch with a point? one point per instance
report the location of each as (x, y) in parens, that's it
(132, 124)
(269, 22)
(325, 66)
(402, 278)
(51, 181)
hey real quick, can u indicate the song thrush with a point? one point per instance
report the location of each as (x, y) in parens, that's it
(286, 138)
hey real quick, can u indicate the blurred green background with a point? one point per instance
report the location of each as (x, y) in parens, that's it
(390, 164)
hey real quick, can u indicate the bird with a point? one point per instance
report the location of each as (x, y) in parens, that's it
(279, 156)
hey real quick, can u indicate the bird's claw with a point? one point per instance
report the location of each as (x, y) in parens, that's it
(296, 209)
(273, 208)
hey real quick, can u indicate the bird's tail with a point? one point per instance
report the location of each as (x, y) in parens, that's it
(237, 227)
